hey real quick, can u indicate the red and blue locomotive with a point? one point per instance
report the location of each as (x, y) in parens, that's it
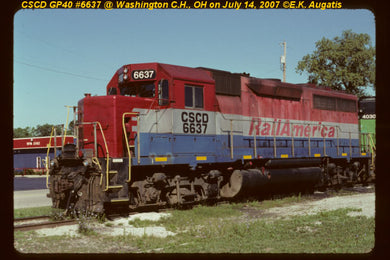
(172, 135)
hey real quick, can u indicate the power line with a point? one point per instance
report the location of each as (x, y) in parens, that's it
(60, 48)
(58, 71)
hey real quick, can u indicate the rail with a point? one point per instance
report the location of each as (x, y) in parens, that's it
(127, 140)
(47, 158)
(94, 158)
(66, 124)
(369, 145)
(338, 132)
(373, 152)
(46, 224)
(372, 143)
(47, 161)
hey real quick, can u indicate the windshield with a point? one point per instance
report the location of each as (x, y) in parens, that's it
(138, 90)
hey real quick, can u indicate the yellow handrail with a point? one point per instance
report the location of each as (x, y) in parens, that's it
(66, 125)
(127, 140)
(373, 150)
(96, 161)
(107, 155)
(47, 158)
(372, 141)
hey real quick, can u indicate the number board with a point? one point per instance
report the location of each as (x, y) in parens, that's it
(193, 122)
(143, 74)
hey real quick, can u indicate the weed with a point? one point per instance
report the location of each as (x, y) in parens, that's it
(141, 223)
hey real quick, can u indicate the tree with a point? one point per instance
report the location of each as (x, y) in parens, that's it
(344, 63)
(23, 132)
(70, 128)
(39, 130)
(45, 130)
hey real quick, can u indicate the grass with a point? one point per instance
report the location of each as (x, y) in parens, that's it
(329, 232)
(32, 212)
(225, 229)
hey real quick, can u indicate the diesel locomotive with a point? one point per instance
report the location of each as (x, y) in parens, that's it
(166, 135)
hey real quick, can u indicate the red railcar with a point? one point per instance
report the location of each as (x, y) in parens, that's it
(31, 152)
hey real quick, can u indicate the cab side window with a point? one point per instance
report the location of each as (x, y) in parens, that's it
(163, 92)
(112, 91)
(193, 96)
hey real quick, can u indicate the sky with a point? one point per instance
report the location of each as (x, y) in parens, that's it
(61, 54)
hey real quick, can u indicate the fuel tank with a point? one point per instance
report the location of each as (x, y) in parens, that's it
(254, 182)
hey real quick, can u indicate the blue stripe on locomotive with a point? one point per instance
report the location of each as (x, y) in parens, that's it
(184, 149)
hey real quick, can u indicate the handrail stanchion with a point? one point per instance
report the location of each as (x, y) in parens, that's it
(350, 145)
(309, 143)
(338, 142)
(138, 141)
(94, 158)
(274, 132)
(231, 139)
(324, 145)
(95, 141)
(255, 145)
(55, 142)
(47, 158)
(292, 140)
(127, 140)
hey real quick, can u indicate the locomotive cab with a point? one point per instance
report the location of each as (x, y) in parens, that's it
(144, 90)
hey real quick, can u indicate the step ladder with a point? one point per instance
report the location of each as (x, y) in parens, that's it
(115, 189)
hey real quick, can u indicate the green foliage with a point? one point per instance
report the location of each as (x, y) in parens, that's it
(344, 63)
(45, 130)
(23, 132)
(41, 130)
(37, 211)
(328, 232)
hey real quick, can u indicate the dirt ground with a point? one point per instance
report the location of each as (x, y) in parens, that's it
(365, 202)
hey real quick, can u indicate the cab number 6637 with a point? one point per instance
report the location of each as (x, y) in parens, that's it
(143, 74)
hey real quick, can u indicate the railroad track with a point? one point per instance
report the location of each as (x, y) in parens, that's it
(39, 222)
(30, 219)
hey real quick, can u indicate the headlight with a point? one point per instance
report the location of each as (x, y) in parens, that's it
(53, 163)
(85, 163)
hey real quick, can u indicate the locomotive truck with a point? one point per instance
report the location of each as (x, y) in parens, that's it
(166, 135)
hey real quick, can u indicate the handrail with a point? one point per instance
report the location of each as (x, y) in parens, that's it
(96, 161)
(372, 141)
(107, 154)
(127, 140)
(373, 150)
(66, 125)
(105, 144)
(337, 127)
(47, 158)
(231, 139)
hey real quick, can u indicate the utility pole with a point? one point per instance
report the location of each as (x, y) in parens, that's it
(283, 60)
